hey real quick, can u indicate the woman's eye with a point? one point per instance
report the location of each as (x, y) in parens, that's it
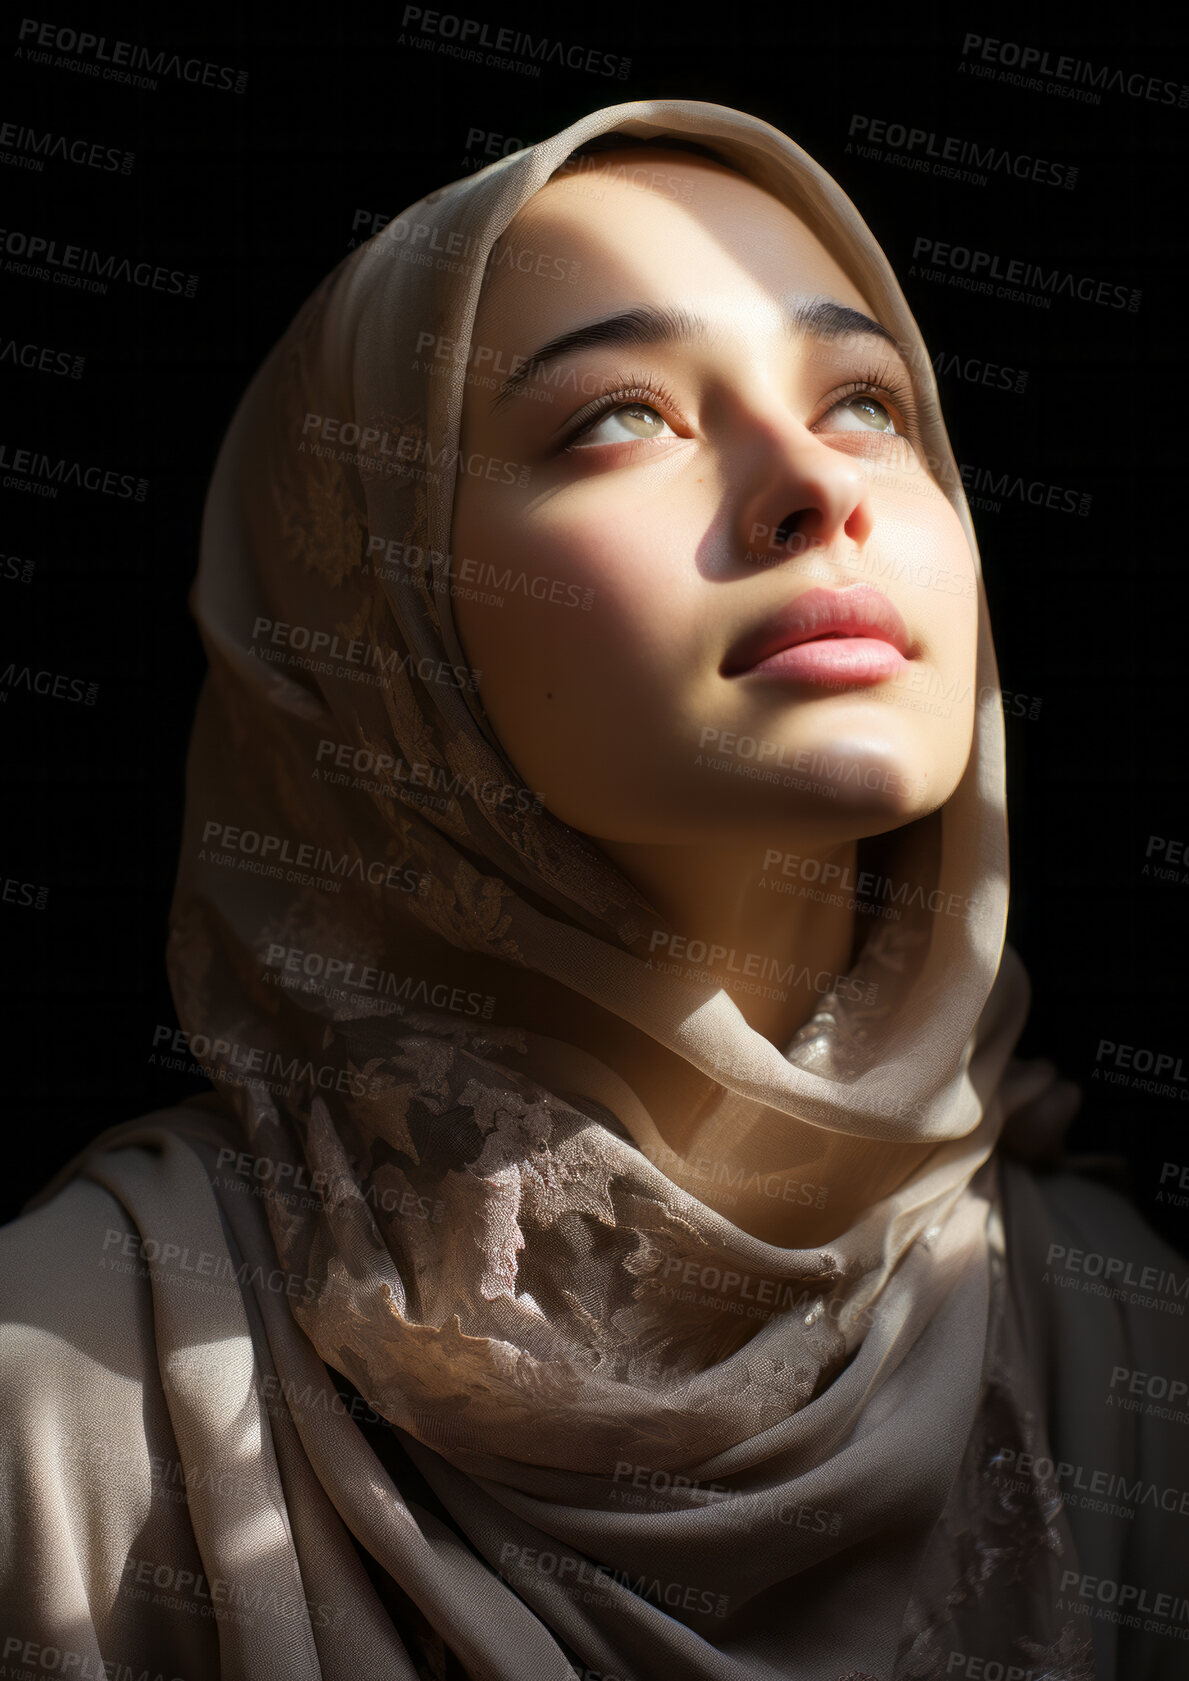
(633, 420)
(861, 413)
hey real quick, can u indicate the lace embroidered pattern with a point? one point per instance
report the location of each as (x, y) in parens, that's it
(842, 1037)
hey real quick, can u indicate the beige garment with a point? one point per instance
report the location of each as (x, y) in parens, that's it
(163, 1519)
(623, 1436)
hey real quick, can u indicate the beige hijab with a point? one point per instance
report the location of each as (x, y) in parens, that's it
(614, 1433)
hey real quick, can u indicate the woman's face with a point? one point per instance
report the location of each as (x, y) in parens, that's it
(683, 495)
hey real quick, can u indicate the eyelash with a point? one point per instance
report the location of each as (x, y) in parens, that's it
(634, 389)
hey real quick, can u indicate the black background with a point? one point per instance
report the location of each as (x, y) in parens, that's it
(256, 192)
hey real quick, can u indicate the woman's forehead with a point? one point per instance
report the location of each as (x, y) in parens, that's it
(727, 247)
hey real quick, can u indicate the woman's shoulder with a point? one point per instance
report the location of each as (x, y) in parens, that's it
(72, 1263)
(76, 1274)
(70, 1306)
(91, 1484)
(1084, 1209)
(77, 1347)
(1101, 1294)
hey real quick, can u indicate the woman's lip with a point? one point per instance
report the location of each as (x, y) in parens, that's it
(834, 661)
(826, 618)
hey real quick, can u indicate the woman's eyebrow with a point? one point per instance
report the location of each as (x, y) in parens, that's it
(819, 318)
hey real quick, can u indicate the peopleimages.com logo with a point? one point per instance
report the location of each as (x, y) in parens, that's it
(471, 38)
(126, 62)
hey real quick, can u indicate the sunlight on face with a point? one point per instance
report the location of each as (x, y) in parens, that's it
(692, 476)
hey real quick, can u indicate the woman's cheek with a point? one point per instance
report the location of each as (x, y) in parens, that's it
(942, 597)
(594, 584)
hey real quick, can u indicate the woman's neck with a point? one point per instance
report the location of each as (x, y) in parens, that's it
(755, 920)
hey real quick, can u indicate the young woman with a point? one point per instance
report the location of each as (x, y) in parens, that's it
(594, 1257)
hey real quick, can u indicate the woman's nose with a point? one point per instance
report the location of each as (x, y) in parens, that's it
(812, 497)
